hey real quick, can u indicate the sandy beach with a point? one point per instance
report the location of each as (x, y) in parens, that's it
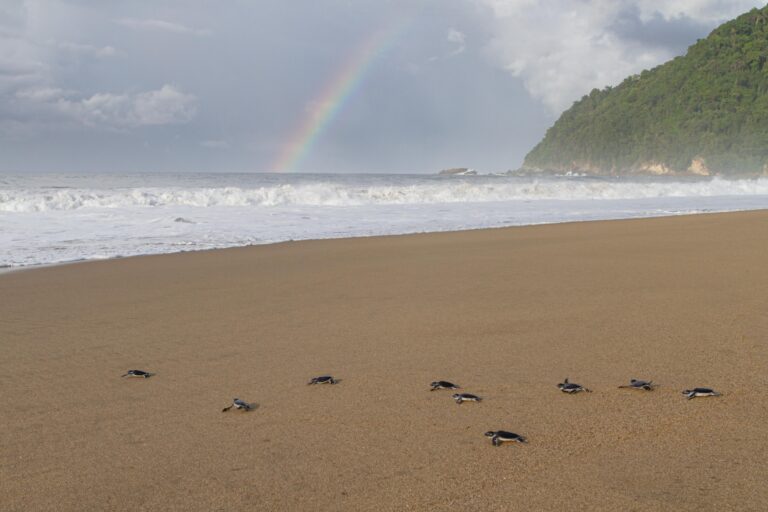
(505, 313)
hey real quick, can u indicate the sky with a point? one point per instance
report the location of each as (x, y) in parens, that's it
(314, 85)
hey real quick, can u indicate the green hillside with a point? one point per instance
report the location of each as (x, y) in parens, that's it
(705, 112)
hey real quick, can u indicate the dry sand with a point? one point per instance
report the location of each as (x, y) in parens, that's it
(505, 313)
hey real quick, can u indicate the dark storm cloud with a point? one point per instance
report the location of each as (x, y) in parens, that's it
(674, 34)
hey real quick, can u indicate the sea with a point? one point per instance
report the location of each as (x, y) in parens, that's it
(56, 218)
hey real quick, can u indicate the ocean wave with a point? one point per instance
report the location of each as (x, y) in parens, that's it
(359, 194)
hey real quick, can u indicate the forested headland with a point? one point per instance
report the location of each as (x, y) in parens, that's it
(702, 113)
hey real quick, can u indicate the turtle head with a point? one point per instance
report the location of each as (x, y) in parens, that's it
(490, 433)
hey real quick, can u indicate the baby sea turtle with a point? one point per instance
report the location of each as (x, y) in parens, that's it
(238, 404)
(442, 384)
(465, 397)
(571, 387)
(647, 385)
(323, 379)
(502, 436)
(693, 393)
(138, 373)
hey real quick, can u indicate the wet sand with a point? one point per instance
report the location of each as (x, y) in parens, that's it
(505, 313)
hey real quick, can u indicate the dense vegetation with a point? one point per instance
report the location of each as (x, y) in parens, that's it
(711, 104)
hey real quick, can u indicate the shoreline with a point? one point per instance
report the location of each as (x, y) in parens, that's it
(504, 313)
(11, 269)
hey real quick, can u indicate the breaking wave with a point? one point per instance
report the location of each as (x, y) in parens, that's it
(357, 193)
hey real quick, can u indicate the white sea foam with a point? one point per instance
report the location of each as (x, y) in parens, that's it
(49, 219)
(354, 193)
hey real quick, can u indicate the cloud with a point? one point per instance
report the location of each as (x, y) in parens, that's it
(167, 105)
(454, 36)
(704, 11)
(12, 12)
(74, 73)
(28, 60)
(215, 144)
(457, 39)
(561, 49)
(161, 26)
(39, 62)
(15, 69)
(21, 61)
(87, 49)
(41, 94)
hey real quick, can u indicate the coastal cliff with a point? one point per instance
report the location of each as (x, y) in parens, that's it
(705, 113)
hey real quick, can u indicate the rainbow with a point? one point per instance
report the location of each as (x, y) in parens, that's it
(332, 98)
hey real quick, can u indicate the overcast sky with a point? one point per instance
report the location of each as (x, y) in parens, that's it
(228, 85)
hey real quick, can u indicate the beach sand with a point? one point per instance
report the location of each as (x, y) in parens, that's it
(505, 313)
